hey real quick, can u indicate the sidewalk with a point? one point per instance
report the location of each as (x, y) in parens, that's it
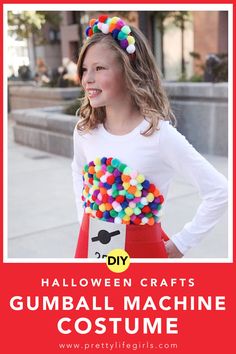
(42, 221)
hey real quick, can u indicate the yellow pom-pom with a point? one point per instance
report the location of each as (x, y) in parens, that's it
(126, 218)
(140, 178)
(114, 19)
(130, 39)
(138, 194)
(128, 211)
(102, 207)
(126, 185)
(150, 197)
(97, 161)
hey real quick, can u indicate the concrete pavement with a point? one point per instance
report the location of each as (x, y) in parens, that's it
(42, 221)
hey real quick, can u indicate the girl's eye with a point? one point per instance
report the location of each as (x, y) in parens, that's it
(83, 70)
(98, 68)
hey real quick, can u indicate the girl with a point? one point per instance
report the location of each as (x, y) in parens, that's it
(126, 152)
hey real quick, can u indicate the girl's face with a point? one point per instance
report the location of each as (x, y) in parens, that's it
(102, 77)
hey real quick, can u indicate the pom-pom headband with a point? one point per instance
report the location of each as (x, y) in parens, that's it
(116, 27)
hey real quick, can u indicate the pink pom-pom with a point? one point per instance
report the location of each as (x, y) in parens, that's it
(100, 25)
(105, 28)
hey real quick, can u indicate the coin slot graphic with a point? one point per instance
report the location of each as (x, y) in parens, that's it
(104, 236)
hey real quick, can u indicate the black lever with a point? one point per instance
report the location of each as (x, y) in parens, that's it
(104, 236)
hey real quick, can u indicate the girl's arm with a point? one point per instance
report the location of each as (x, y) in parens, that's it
(77, 165)
(178, 153)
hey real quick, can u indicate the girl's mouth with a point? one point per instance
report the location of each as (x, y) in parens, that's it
(92, 93)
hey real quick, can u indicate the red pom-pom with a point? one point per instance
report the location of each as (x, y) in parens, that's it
(90, 180)
(161, 198)
(99, 214)
(151, 188)
(110, 180)
(102, 18)
(105, 198)
(120, 198)
(90, 32)
(108, 162)
(146, 209)
(137, 221)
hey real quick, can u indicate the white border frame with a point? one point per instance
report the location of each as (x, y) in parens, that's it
(116, 7)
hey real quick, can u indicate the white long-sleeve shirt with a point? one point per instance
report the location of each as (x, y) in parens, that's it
(159, 158)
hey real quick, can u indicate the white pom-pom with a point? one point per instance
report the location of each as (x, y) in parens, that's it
(105, 28)
(130, 49)
(100, 25)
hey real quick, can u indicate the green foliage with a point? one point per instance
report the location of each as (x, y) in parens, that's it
(25, 23)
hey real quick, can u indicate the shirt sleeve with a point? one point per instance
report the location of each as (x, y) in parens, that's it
(178, 153)
(77, 165)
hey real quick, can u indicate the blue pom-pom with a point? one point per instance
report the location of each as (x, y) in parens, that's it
(146, 184)
(153, 205)
(103, 160)
(107, 185)
(87, 30)
(118, 180)
(115, 33)
(124, 204)
(106, 214)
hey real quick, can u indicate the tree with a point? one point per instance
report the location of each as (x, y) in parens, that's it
(180, 20)
(29, 24)
(25, 23)
(162, 16)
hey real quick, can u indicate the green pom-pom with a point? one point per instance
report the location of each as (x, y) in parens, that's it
(110, 168)
(115, 193)
(96, 29)
(115, 163)
(97, 168)
(95, 206)
(126, 29)
(127, 171)
(113, 213)
(114, 187)
(121, 214)
(140, 205)
(122, 35)
(137, 211)
(86, 168)
(122, 167)
(122, 192)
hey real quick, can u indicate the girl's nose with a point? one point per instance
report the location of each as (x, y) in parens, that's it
(89, 77)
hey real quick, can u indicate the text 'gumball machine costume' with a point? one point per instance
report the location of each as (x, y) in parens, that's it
(122, 209)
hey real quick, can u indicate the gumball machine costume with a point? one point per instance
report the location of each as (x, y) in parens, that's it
(114, 193)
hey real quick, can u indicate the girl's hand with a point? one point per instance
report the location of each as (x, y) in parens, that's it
(172, 250)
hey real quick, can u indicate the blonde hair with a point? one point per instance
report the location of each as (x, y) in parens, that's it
(142, 79)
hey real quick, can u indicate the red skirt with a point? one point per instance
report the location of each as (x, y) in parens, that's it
(142, 241)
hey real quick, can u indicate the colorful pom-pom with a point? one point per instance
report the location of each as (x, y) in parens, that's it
(130, 49)
(113, 192)
(119, 30)
(126, 29)
(92, 22)
(102, 18)
(105, 28)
